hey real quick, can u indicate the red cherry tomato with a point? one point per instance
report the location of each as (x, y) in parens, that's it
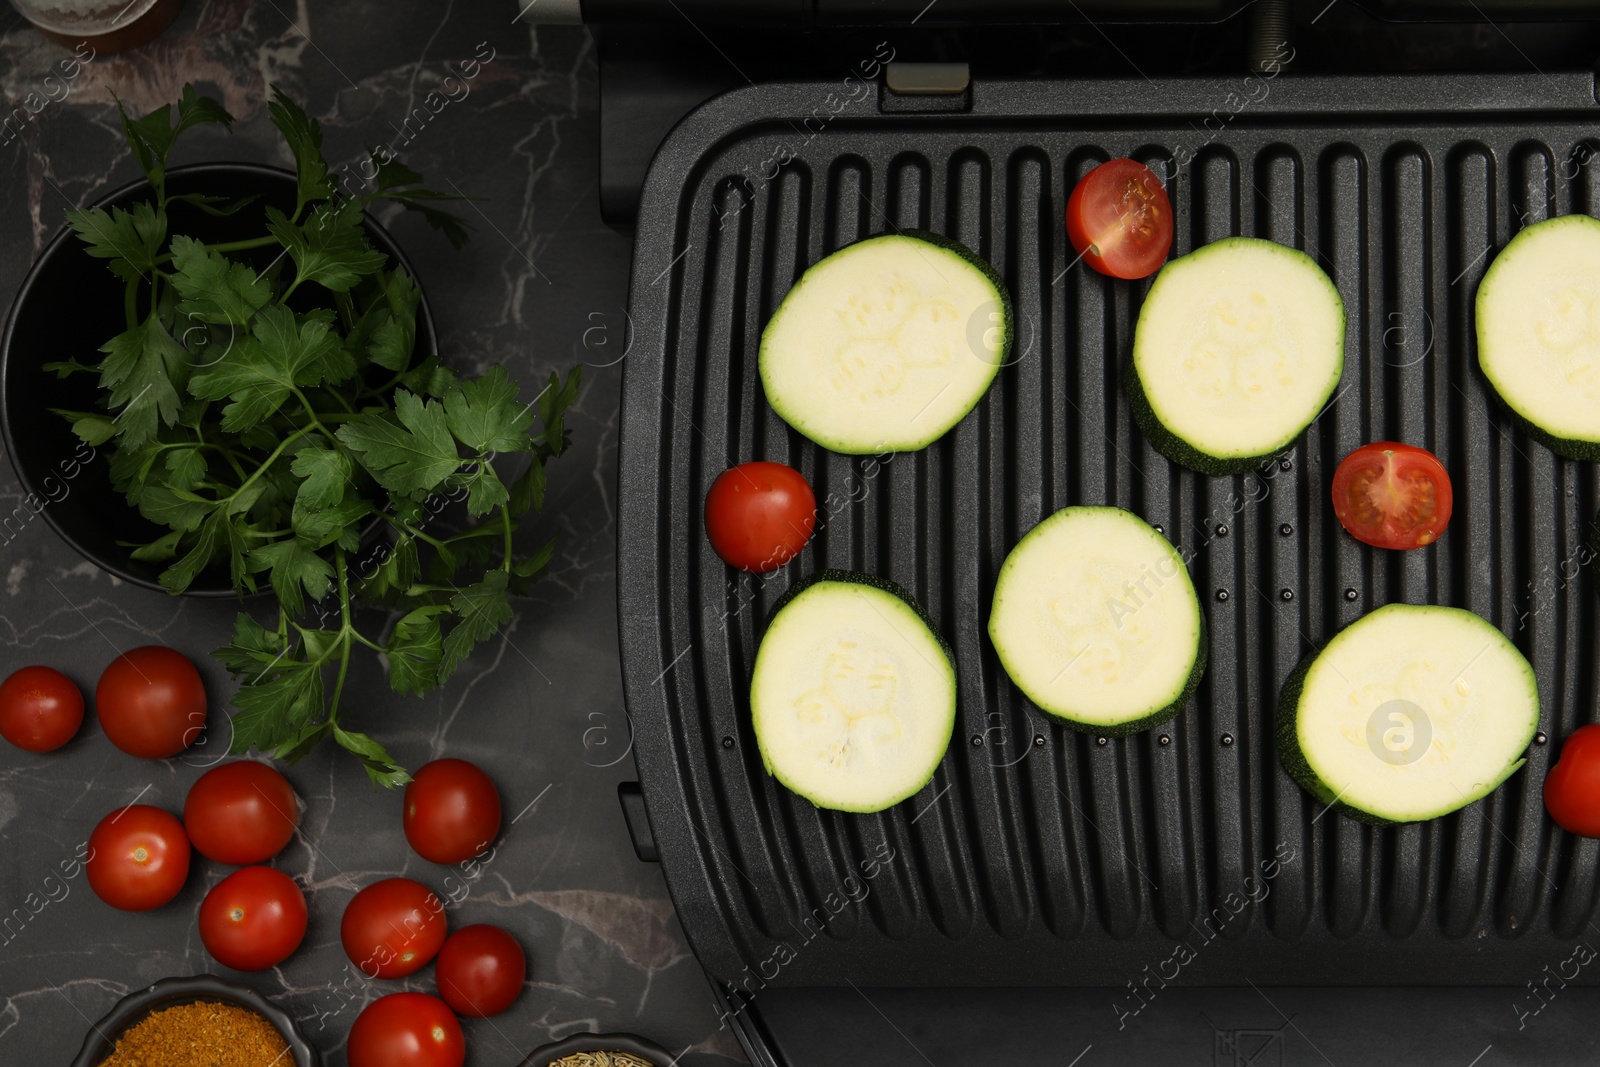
(1572, 788)
(1391, 495)
(151, 702)
(40, 709)
(406, 1030)
(480, 970)
(241, 812)
(760, 515)
(253, 919)
(1120, 220)
(452, 811)
(392, 927)
(138, 858)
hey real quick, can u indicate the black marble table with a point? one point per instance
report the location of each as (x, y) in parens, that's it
(541, 287)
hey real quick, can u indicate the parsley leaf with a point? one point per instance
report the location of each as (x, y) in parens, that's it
(130, 240)
(414, 650)
(144, 368)
(481, 610)
(484, 414)
(303, 135)
(294, 568)
(283, 352)
(330, 249)
(379, 766)
(215, 289)
(410, 451)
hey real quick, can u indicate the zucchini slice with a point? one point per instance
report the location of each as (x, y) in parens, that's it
(885, 345)
(1237, 350)
(853, 697)
(1539, 332)
(1097, 622)
(1407, 714)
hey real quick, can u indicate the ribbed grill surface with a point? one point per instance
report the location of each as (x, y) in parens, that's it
(1038, 855)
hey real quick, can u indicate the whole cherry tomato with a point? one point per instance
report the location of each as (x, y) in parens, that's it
(480, 970)
(1572, 788)
(241, 812)
(452, 811)
(40, 709)
(406, 1030)
(151, 702)
(760, 515)
(392, 927)
(253, 919)
(138, 858)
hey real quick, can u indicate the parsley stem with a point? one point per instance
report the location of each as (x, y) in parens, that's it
(130, 302)
(271, 459)
(345, 631)
(505, 520)
(311, 413)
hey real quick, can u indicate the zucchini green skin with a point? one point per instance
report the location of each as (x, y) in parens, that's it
(1294, 761)
(1170, 444)
(1008, 328)
(1155, 718)
(884, 585)
(1577, 448)
(1176, 448)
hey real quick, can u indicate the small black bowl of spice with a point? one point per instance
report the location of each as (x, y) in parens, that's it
(600, 1050)
(203, 1021)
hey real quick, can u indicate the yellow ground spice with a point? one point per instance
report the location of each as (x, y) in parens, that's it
(201, 1034)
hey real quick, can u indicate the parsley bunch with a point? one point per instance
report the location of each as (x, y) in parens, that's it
(278, 423)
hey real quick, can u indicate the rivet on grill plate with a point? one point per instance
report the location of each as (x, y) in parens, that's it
(727, 742)
(1160, 529)
(1286, 464)
(1227, 739)
(1286, 529)
(1222, 531)
(1286, 594)
(1222, 594)
(1038, 739)
(1164, 740)
(1539, 738)
(977, 740)
(1101, 741)
(1351, 594)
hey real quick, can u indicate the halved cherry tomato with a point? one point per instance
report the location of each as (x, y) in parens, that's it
(760, 515)
(1572, 788)
(1391, 495)
(1119, 219)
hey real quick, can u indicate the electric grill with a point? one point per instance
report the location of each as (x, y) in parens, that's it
(1040, 857)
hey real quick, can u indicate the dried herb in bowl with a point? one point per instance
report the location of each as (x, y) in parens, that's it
(271, 419)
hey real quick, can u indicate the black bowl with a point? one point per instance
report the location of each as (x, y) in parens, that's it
(168, 992)
(632, 1044)
(68, 306)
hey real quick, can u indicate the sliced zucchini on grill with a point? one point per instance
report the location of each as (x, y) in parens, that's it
(1539, 332)
(1097, 622)
(853, 697)
(885, 345)
(1409, 713)
(1238, 348)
